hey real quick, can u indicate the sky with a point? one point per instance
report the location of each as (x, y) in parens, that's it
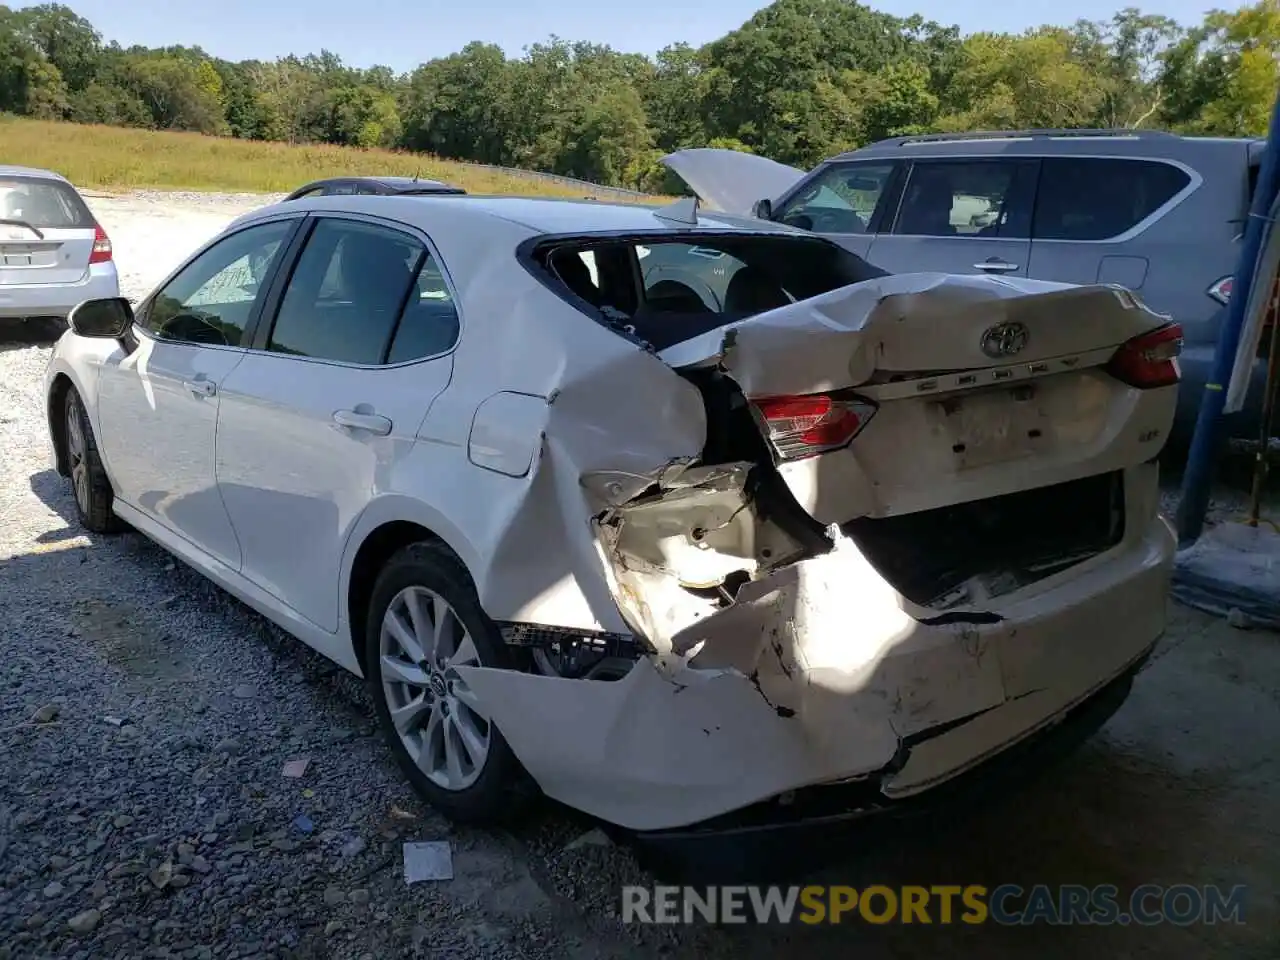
(403, 33)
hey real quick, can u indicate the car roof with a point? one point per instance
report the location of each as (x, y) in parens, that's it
(1040, 142)
(34, 172)
(398, 183)
(411, 183)
(549, 215)
(478, 237)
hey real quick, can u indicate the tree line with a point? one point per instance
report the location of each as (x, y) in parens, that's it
(800, 81)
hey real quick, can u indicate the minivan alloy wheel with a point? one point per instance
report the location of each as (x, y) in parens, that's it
(422, 641)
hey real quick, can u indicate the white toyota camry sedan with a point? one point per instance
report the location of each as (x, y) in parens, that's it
(666, 515)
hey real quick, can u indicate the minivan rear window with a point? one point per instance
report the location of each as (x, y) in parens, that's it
(43, 204)
(667, 288)
(1095, 198)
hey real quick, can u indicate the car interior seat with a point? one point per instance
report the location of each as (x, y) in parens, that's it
(750, 291)
(672, 296)
(926, 211)
(575, 275)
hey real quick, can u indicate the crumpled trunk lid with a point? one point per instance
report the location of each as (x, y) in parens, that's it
(980, 386)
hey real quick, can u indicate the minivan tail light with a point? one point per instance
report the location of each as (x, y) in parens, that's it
(101, 245)
(804, 426)
(1150, 359)
(1221, 291)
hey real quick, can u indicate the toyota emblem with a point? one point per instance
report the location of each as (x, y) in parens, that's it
(1004, 340)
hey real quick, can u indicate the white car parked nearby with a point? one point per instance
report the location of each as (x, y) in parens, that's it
(53, 253)
(667, 515)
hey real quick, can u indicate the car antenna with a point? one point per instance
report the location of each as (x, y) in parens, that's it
(684, 210)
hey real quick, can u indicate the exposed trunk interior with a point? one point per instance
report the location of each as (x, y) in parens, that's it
(685, 549)
(970, 552)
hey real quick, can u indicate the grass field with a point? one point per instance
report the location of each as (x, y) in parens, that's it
(117, 158)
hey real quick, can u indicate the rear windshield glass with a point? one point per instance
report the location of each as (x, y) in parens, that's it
(668, 290)
(44, 204)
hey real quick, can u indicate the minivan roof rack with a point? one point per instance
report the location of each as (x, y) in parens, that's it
(1018, 134)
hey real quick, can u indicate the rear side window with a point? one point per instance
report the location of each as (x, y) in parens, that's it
(666, 290)
(977, 198)
(365, 294)
(43, 204)
(1089, 198)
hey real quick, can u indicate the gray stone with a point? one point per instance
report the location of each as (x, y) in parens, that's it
(46, 714)
(86, 922)
(334, 896)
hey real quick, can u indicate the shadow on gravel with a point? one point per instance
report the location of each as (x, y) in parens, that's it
(51, 490)
(21, 334)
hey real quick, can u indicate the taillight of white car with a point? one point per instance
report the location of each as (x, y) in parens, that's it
(806, 426)
(1149, 360)
(101, 245)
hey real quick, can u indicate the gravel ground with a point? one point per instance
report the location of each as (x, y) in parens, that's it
(145, 718)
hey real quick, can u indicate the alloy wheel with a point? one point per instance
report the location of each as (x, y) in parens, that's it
(76, 451)
(435, 714)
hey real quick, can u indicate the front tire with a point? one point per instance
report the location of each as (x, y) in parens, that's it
(90, 485)
(424, 620)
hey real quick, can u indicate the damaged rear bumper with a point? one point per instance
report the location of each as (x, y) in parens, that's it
(817, 676)
(769, 841)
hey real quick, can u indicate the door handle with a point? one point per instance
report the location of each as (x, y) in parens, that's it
(201, 388)
(995, 266)
(369, 422)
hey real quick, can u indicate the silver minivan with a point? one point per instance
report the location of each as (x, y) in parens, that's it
(53, 252)
(1158, 213)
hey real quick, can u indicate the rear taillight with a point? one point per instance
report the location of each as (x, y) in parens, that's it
(1221, 291)
(805, 426)
(1149, 360)
(101, 245)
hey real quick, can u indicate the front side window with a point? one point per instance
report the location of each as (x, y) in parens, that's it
(1092, 198)
(212, 298)
(974, 199)
(841, 199)
(348, 290)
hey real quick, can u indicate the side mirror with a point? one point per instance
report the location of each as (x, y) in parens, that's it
(107, 319)
(763, 210)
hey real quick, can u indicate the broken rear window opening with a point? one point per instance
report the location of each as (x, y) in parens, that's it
(43, 204)
(666, 288)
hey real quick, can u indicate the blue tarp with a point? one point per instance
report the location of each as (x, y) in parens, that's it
(1232, 567)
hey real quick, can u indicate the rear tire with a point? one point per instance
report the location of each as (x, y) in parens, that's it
(425, 618)
(90, 485)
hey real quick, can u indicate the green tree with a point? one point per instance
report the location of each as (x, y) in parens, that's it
(1223, 77)
(171, 88)
(64, 39)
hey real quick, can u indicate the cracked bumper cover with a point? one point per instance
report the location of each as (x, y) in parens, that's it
(817, 675)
